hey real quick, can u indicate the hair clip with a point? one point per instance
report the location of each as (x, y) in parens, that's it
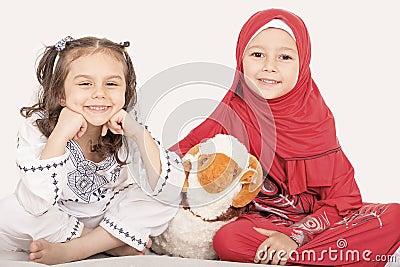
(125, 44)
(60, 45)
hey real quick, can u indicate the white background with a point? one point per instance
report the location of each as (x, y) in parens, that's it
(355, 63)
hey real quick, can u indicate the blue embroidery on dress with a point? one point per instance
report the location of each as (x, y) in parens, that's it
(78, 155)
(85, 179)
(124, 233)
(100, 193)
(40, 167)
(115, 173)
(75, 228)
(55, 182)
(115, 194)
(168, 170)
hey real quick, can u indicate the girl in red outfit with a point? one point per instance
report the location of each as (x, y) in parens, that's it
(309, 210)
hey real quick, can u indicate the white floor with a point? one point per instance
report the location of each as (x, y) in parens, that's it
(14, 259)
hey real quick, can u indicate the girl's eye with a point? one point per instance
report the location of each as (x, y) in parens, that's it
(111, 84)
(85, 83)
(285, 57)
(257, 54)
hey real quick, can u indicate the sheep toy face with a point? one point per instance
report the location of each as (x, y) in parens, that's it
(222, 178)
(216, 172)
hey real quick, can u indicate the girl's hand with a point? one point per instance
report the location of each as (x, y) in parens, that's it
(70, 125)
(276, 249)
(122, 123)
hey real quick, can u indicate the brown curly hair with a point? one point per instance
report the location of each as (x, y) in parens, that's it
(51, 75)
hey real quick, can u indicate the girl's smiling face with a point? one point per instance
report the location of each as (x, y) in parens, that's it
(95, 87)
(271, 63)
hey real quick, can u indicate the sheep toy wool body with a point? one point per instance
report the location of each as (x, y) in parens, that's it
(188, 236)
(222, 178)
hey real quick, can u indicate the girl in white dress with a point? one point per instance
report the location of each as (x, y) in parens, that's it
(92, 179)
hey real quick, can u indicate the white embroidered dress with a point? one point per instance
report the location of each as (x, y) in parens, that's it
(56, 197)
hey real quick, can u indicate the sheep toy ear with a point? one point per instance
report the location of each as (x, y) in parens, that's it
(187, 164)
(252, 181)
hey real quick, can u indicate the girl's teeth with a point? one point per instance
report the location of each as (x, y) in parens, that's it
(269, 81)
(98, 108)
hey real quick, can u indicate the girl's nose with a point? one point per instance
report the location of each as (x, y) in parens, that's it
(269, 65)
(99, 92)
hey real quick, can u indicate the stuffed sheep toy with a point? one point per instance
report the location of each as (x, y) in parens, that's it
(222, 178)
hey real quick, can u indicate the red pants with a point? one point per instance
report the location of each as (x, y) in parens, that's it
(361, 242)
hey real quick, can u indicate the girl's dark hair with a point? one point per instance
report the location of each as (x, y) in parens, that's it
(51, 77)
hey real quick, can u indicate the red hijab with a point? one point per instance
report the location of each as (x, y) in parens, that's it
(280, 132)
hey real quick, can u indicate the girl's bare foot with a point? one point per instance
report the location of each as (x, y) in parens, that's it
(42, 251)
(90, 243)
(126, 250)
